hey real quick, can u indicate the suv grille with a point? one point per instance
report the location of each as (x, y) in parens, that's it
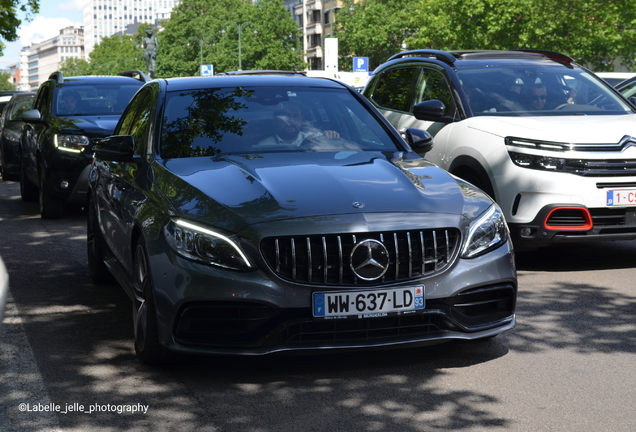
(326, 259)
(601, 168)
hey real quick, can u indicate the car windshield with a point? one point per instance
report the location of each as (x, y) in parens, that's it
(218, 121)
(98, 99)
(546, 91)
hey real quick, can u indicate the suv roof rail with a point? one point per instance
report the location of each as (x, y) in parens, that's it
(57, 76)
(444, 56)
(137, 74)
(552, 55)
(263, 72)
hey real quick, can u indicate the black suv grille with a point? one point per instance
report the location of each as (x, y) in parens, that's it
(601, 168)
(326, 260)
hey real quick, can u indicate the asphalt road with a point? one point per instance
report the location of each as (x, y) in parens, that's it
(569, 365)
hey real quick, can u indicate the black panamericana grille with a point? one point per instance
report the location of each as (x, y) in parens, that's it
(325, 259)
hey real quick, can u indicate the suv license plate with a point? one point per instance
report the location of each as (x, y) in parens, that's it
(626, 197)
(368, 304)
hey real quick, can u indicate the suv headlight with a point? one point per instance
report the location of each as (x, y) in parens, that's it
(71, 143)
(204, 245)
(487, 232)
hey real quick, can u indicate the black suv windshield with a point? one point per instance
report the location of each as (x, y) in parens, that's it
(96, 99)
(531, 90)
(209, 122)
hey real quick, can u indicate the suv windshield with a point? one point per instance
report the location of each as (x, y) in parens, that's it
(531, 90)
(97, 99)
(264, 119)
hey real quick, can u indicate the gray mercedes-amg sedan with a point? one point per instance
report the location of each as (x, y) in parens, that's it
(261, 213)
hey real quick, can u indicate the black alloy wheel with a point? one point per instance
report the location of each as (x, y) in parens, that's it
(28, 191)
(100, 275)
(50, 207)
(147, 346)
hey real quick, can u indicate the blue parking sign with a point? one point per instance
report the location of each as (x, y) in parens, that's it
(207, 70)
(361, 64)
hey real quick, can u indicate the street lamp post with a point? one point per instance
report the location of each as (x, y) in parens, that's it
(201, 42)
(239, 29)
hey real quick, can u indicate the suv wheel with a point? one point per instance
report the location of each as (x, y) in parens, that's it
(100, 275)
(50, 207)
(147, 346)
(28, 191)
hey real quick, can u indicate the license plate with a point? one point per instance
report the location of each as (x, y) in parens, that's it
(616, 198)
(368, 304)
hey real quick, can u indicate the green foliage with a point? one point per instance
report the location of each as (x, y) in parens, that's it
(193, 36)
(9, 21)
(5, 81)
(74, 67)
(590, 31)
(374, 29)
(116, 54)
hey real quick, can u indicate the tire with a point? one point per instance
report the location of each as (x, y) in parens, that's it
(28, 191)
(100, 275)
(50, 207)
(147, 346)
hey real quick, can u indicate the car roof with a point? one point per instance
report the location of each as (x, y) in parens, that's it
(274, 80)
(488, 57)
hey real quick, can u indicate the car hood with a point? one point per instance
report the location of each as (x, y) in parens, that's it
(94, 126)
(601, 129)
(234, 191)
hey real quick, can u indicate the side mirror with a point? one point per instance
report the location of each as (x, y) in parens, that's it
(32, 116)
(116, 148)
(432, 110)
(633, 100)
(419, 140)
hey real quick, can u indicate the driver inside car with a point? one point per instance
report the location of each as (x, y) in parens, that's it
(288, 128)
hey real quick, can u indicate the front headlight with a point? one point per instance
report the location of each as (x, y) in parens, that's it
(487, 232)
(206, 246)
(71, 143)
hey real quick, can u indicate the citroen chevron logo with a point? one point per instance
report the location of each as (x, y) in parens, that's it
(369, 260)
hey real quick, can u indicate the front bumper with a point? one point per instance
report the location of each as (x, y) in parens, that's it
(206, 310)
(567, 223)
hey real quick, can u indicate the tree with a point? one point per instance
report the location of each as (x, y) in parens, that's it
(74, 67)
(373, 29)
(9, 22)
(593, 32)
(116, 54)
(589, 31)
(5, 81)
(193, 35)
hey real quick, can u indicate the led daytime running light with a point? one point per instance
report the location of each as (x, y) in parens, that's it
(217, 235)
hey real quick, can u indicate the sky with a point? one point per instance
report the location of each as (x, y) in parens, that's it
(54, 15)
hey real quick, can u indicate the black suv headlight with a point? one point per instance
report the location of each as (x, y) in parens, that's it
(205, 245)
(487, 232)
(71, 143)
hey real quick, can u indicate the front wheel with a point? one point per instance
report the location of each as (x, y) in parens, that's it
(50, 207)
(147, 346)
(28, 191)
(100, 275)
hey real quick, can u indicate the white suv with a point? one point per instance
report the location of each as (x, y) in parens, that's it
(551, 142)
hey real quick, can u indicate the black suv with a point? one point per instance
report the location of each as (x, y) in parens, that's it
(69, 116)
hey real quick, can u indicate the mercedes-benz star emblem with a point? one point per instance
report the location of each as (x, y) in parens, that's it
(358, 204)
(369, 260)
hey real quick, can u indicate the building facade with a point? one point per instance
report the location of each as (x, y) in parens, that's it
(104, 18)
(315, 19)
(40, 60)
